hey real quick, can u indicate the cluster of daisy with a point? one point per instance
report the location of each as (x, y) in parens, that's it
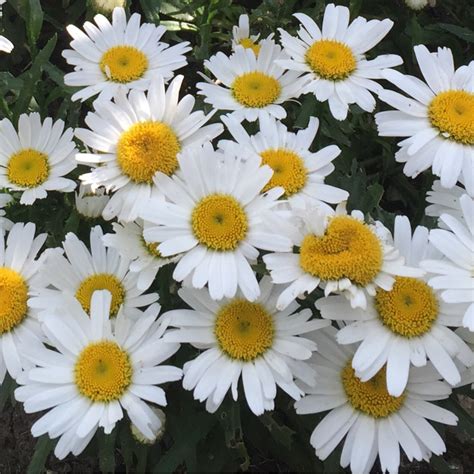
(79, 325)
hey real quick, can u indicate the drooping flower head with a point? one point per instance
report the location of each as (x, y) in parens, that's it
(90, 204)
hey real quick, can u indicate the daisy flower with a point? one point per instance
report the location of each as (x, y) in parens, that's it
(216, 217)
(404, 326)
(18, 280)
(241, 36)
(339, 252)
(437, 118)
(137, 137)
(91, 204)
(93, 371)
(373, 422)
(467, 376)
(444, 201)
(5, 223)
(455, 272)
(333, 58)
(251, 84)
(35, 158)
(82, 272)
(243, 338)
(145, 258)
(295, 168)
(109, 58)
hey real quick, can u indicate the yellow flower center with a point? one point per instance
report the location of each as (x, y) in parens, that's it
(219, 222)
(103, 371)
(244, 330)
(289, 170)
(28, 168)
(152, 248)
(348, 249)
(13, 299)
(101, 281)
(371, 397)
(255, 89)
(452, 112)
(250, 44)
(146, 148)
(123, 64)
(331, 60)
(409, 309)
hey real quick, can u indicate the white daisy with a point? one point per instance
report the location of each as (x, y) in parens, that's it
(295, 168)
(437, 118)
(5, 223)
(339, 252)
(145, 258)
(81, 272)
(444, 201)
(18, 280)
(109, 58)
(243, 338)
(333, 58)
(467, 376)
(405, 326)
(251, 84)
(90, 204)
(241, 36)
(216, 217)
(93, 371)
(136, 137)
(37, 157)
(456, 271)
(373, 423)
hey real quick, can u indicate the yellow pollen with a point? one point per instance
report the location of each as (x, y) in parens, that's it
(249, 44)
(28, 168)
(244, 330)
(348, 249)
(289, 170)
(103, 371)
(452, 113)
(146, 148)
(152, 248)
(123, 64)
(331, 60)
(409, 309)
(13, 299)
(371, 397)
(101, 281)
(255, 89)
(219, 222)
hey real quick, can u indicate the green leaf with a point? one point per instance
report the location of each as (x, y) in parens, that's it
(107, 451)
(34, 20)
(460, 31)
(151, 9)
(280, 433)
(6, 389)
(43, 447)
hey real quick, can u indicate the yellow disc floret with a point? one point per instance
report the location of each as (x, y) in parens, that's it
(123, 64)
(244, 330)
(101, 281)
(452, 113)
(28, 168)
(103, 371)
(289, 170)
(146, 148)
(371, 397)
(219, 222)
(331, 60)
(409, 309)
(13, 299)
(249, 43)
(348, 249)
(256, 89)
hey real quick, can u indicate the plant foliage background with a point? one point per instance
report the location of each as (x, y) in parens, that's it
(31, 79)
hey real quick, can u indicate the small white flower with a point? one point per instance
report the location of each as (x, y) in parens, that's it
(90, 204)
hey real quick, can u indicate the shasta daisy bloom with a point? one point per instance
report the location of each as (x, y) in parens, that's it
(437, 118)
(405, 326)
(251, 84)
(5, 223)
(295, 168)
(82, 272)
(18, 280)
(339, 252)
(241, 36)
(455, 272)
(109, 58)
(244, 339)
(215, 215)
(333, 59)
(91, 204)
(135, 138)
(93, 371)
(36, 158)
(373, 422)
(444, 201)
(145, 258)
